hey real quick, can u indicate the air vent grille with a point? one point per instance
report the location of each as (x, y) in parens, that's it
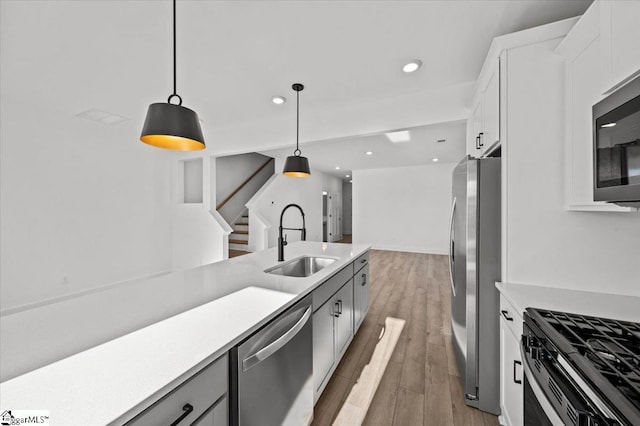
(537, 365)
(573, 416)
(555, 390)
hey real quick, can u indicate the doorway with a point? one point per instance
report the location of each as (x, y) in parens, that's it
(331, 217)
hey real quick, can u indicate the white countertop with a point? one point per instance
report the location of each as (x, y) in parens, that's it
(165, 329)
(620, 307)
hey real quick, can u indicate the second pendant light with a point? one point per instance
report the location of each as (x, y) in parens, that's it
(296, 165)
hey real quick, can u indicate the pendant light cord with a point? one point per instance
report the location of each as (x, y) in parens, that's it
(297, 121)
(175, 91)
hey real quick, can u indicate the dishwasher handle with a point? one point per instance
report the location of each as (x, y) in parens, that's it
(269, 350)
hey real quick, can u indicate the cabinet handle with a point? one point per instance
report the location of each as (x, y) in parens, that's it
(480, 135)
(477, 141)
(188, 408)
(363, 261)
(364, 279)
(340, 307)
(515, 380)
(336, 309)
(506, 316)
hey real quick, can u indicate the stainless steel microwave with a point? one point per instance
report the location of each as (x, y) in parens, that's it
(616, 147)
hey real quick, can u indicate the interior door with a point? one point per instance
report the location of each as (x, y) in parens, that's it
(333, 218)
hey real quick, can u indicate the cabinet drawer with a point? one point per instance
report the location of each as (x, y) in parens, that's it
(511, 316)
(360, 262)
(328, 288)
(199, 392)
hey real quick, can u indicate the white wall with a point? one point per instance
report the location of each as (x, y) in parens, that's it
(545, 244)
(403, 208)
(83, 204)
(283, 190)
(197, 238)
(231, 172)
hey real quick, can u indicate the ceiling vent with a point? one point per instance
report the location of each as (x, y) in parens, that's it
(441, 140)
(101, 116)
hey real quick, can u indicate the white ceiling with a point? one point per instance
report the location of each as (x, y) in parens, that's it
(233, 56)
(350, 153)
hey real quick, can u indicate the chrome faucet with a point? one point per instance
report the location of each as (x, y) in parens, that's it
(283, 241)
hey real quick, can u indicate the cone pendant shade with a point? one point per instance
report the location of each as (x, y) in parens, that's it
(296, 166)
(172, 127)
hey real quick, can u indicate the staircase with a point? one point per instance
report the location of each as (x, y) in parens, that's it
(239, 238)
(234, 204)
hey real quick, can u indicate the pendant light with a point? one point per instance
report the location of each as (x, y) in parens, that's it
(296, 165)
(169, 125)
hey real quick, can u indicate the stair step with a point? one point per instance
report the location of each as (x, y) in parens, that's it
(236, 253)
(240, 231)
(234, 241)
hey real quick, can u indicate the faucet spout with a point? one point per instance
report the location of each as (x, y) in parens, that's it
(283, 241)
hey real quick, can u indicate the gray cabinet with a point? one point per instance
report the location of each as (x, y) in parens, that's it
(361, 290)
(343, 319)
(340, 305)
(216, 415)
(332, 333)
(323, 344)
(200, 398)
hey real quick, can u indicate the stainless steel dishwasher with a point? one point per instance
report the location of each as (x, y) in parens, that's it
(271, 372)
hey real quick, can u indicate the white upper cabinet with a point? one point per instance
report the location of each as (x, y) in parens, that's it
(474, 128)
(483, 129)
(585, 78)
(491, 111)
(620, 40)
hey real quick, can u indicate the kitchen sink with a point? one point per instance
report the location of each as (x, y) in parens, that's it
(301, 267)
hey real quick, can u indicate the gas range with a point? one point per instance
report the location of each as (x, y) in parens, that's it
(581, 370)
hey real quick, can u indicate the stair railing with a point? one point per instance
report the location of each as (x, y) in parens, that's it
(243, 184)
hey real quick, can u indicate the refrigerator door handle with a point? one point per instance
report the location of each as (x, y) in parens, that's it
(452, 256)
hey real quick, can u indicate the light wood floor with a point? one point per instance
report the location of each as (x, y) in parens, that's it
(421, 384)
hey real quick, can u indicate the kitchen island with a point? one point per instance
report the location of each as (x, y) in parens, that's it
(134, 342)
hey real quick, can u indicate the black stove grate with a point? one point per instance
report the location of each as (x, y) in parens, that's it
(612, 347)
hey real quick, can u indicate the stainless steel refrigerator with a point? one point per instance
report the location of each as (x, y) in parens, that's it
(474, 259)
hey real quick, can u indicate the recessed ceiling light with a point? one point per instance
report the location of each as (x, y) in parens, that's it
(347, 176)
(608, 125)
(399, 136)
(412, 66)
(325, 193)
(337, 167)
(369, 152)
(350, 181)
(435, 160)
(278, 100)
